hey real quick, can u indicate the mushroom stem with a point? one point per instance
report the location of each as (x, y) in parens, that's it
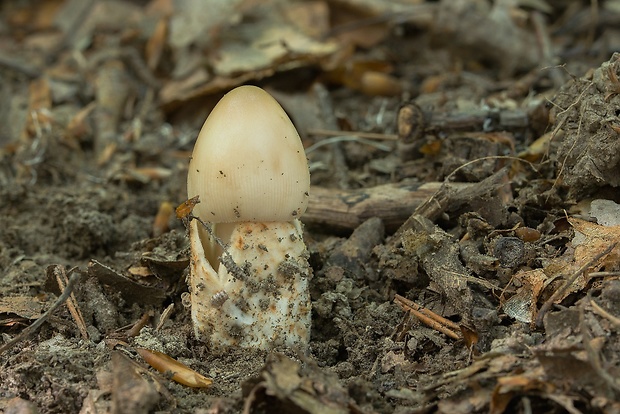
(258, 295)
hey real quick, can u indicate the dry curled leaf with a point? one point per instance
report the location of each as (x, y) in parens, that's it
(181, 373)
(185, 209)
(160, 224)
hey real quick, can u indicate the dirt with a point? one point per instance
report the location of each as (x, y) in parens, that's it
(511, 263)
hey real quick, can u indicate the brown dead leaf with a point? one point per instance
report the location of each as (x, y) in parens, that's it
(592, 241)
(470, 336)
(156, 44)
(267, 42)
(140, 271)
(26, 307)
(160, 224)
(287, 387)
(311, 17)
(39, 108)
(597, 239)
(509, 386)
(79, 129)
(184, 89)
(185, 208)
(180, 372)
(358, 25)
(264, 43)
(371, 77)
(523, 305)
(200, 21)
(126, 286)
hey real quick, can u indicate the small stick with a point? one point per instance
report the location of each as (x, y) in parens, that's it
(429, 318)
(37, 324)
(591, 346)
(602, 312)
(360, 134)
(341, 211)
(72, 304)
(165, 315)
(450, 195)
(327, 110)
(25, 68)
(138, 325)
(487, 120)
(68, 36)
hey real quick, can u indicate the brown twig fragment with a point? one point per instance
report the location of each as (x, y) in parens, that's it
(138, 325)
(174, 369)
(327, 111)
(37, 324)
(14, 64)
(450, 196)
(341, 211)
(429, 318)
(360, 134)
(593, 347)
(72, 304)
(614, 320)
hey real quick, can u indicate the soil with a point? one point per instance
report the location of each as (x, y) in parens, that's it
(488, 206)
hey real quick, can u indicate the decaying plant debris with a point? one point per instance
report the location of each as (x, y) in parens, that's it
(463, 225)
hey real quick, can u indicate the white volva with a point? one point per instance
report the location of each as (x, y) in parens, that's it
(250, 171)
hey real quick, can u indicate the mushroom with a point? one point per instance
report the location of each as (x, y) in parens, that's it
(249, 267)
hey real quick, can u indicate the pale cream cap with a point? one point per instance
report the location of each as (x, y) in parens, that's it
(248, 163)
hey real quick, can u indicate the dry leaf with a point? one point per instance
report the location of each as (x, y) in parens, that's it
(185, 208)
(181, 373)
(27, 307)
(140, 271)
(39, 108)
(591, 240)
(509, 386)
(264, 43)
(160, 224)
(156, 44)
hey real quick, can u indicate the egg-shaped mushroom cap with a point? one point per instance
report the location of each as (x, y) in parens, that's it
(248, 163)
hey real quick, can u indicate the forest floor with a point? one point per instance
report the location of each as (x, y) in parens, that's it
(463, 222)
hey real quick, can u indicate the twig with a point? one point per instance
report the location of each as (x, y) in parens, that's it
(450, 197)
(69, 35)
(341, 211)
(26, 69)
(347, 138)
(37, 324)
(615, 321)
(165, 315)
(74, 309)
(138, 325)
(592, 346)
(327, 111)
(429, 318)
(360, 134)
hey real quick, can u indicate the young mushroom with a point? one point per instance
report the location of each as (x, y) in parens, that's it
(249, 271)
